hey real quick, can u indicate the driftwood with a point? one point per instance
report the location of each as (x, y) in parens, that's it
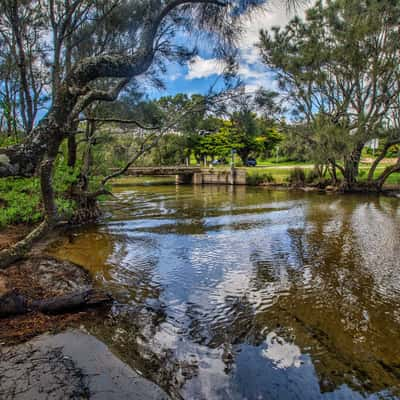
(13, 303)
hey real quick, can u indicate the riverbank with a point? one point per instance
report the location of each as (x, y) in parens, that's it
(387, 190)
(37, 279)
(41, 357)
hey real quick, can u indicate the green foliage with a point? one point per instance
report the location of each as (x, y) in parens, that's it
(297, 177)
(64, 176)
(338, 77)
(19, 201)
(172, 150)
(8, 140)
(20, 198)
(245, 133)
(313, 176)
(259, 178)
(317, 177)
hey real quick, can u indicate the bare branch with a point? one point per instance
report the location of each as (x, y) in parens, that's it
(123, 121)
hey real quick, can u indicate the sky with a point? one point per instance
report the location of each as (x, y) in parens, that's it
(203, 70)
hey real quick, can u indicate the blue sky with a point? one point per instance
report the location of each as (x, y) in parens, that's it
(203, 70)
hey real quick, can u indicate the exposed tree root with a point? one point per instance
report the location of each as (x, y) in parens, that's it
(19, 249)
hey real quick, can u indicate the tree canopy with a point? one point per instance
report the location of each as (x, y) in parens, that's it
(339, 71)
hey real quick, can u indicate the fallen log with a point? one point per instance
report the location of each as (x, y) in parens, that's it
(13, 303)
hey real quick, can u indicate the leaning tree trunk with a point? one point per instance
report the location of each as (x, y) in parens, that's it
(38, 152)
(385, 175)
(18, 250)
(333, 172)
(73, 95)
(381, 156)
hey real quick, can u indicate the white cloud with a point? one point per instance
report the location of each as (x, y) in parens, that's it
(202, 68)
(251, 70)
(281, 353)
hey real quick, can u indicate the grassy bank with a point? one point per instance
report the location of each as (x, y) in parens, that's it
(280, 173)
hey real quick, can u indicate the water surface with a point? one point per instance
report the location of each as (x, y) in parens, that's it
(246, 293)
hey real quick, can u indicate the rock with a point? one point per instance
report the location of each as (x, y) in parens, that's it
(331, 188)
(70, 365)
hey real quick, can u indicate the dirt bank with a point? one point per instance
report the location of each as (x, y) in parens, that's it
(70, 365)
(39, 278)
(12, 234)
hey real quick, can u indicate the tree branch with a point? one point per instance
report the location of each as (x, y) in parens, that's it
(123, 121)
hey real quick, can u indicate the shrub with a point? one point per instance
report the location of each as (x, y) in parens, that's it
(313, 176)
(259, 178)
(297, 177)
(20, 198)
(362, 173)
(20, 201)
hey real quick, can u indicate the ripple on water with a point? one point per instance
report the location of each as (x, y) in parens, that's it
(271, 295)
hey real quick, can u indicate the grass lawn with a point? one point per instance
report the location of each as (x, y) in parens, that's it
(272, 163)
(281, 171)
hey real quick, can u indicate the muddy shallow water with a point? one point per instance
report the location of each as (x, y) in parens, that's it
(246, 293)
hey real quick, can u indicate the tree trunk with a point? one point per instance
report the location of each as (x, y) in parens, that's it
(244, 155)
(385, 175)
(23, 159)
(376, 162)
(332, 171)
(14, 304)
(351, 165)
(72, 147)
(25, 94)
(18, 250)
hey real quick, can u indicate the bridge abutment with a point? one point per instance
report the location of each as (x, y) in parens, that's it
(213, 176)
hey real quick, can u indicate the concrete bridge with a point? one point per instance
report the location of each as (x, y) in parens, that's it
(194, 175)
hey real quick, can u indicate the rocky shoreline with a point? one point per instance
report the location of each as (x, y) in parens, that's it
(70, 365)
(42, 358)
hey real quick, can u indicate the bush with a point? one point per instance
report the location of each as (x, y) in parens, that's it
(19, 201)
(313, 176)
(297, 177)
(259, 178)
(362, 173)
(20, 198)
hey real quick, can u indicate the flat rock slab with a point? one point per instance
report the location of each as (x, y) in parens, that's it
(70, 365)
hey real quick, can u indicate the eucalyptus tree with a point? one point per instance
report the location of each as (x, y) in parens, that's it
(106, 67)
(339, 70)
(22, 56)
